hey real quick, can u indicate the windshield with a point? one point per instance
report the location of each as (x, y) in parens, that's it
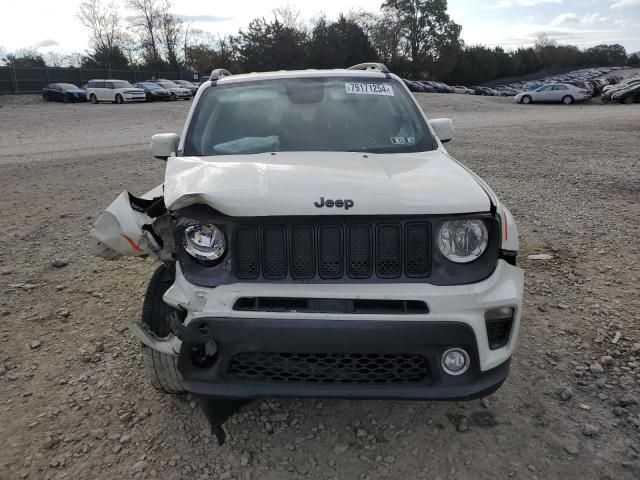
(307, 114)
(167, 84)
(67, 86)
(120, 84)
(150, 86)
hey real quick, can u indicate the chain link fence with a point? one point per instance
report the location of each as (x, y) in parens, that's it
(33, 80)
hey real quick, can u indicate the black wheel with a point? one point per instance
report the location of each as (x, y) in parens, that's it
(628, 100)
(66, 99)
(162, 369)
(93, 99)
(119, 99)
(45, 97)
(173, 97)
(567, 100)
(526, 100)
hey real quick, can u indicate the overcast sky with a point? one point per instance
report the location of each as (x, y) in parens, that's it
(51, 25)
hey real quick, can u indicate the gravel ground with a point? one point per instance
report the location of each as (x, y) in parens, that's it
(74, 399)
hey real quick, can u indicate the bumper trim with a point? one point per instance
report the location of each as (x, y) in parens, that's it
(428, 339)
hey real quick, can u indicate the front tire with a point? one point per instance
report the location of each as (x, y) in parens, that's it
(526, 100)
(162, 369)
(119, 99)
(173, 97)
(567, 100)
(93, 99)
(628, 100)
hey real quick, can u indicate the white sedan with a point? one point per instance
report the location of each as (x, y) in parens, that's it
(553, 93)
(465, 90)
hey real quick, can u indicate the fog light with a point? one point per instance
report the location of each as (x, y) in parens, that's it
(455, 361)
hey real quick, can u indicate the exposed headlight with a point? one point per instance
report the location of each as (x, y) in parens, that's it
(462, 241)
(204, 242)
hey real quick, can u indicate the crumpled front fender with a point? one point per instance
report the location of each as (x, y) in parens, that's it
(119, 231)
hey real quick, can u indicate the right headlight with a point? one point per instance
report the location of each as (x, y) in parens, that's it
(204, 242)
(462, 241)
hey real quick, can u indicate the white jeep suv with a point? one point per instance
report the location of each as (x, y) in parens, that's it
(317, 239)
(114, 91)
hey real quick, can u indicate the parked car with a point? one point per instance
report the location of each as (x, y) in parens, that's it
(553, 93)
(464, 90)
(292, 264)
(188, 85)
(438, 87)
(154, 92)
(63, 92)
(628, 95)
(114, 91)
(177, 92)
(203, 79)
(414, 86)
(428, 88)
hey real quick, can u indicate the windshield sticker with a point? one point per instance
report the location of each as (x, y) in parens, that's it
(398, 140)
(369, 89)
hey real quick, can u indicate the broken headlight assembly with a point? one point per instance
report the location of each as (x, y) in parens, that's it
(205, 243)
(462, 241)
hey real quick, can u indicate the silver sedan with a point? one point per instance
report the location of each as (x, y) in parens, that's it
(553, 93)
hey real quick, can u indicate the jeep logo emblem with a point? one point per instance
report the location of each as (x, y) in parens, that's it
(347, 203)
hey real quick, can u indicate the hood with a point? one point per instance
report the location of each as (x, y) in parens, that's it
(293, 183)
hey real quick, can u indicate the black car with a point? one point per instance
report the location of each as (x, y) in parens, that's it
(413, 86)
(628, 95)
(63, 92)
(154, 92)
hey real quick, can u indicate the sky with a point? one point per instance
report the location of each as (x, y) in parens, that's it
(51, 25)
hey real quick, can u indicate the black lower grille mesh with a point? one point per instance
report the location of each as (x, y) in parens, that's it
(329, 367)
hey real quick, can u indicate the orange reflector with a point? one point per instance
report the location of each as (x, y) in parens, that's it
(135, 247)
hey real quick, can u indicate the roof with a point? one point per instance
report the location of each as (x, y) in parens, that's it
(310, 73)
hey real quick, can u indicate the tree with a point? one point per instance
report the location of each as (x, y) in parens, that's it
(25, 59)
(339, 44)
(106, 58)
(103, 23)
(105, 34)
(606, 55)
(633, 60)
(427, 31)
(272, 46)
(147, 22)
(171, 29)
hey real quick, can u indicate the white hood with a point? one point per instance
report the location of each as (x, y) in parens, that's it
(291, 183)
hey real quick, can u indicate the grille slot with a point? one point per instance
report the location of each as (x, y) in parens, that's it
(303, 259)
(246, 252)
(330, 255)
(360, 250)
(417, 248)
(330, 368)
(388, 251)
(274, 248)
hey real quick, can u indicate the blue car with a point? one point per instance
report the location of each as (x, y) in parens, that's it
(63, 92)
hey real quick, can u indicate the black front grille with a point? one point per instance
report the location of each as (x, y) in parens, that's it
(332, 251)
(328, 368)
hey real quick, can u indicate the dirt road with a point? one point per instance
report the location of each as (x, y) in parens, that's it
(74, 401)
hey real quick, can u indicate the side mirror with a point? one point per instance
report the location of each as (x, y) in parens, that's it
(443, 127)
(164, 145)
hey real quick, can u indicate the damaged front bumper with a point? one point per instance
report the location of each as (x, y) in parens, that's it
(223, 352)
